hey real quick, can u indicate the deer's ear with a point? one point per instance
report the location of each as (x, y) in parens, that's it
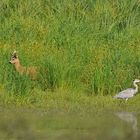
(14, 54)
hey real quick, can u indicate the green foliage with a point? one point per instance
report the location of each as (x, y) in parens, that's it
(84, 46)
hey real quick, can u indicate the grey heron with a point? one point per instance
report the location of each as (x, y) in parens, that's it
(128, 93)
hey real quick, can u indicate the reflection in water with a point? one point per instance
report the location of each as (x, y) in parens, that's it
(34, 124)
(129, 117)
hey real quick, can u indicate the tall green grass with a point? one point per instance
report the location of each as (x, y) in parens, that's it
(87, 46)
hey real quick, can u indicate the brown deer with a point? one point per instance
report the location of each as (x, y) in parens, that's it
(31, 71)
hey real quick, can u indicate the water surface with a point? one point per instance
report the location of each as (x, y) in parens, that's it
(31, 124)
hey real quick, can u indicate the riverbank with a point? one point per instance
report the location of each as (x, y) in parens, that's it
(69, 102)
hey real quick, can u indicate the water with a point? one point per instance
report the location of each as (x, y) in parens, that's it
(29, 124)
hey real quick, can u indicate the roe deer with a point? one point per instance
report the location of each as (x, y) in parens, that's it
(31, 71)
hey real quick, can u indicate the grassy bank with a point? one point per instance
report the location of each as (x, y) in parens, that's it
(88, 47)
(68, 102)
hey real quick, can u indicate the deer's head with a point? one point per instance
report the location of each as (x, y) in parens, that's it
(14, 58)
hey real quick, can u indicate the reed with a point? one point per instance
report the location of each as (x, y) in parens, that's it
(91, 47)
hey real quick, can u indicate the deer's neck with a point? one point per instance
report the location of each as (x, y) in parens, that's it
(19, 68)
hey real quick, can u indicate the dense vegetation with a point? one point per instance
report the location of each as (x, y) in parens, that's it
(89, 47)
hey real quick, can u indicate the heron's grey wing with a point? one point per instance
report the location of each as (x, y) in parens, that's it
(128, 93)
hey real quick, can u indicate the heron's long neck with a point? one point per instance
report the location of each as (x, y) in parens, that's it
(136, 87)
